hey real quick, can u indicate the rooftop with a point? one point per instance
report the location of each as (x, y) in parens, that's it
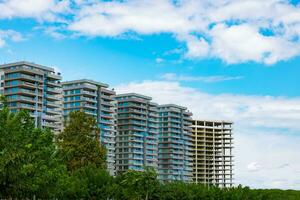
(86, 81)
(134, 95)
(214, 121)
(3, 66)
(172, 106)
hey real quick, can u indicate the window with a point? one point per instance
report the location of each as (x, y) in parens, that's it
(12, 83)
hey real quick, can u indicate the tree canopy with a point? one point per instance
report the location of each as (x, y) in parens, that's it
(79, 143)
(28, 164)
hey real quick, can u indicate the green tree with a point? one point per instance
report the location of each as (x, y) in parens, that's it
(139, 185)
(79, 143)
(88, 182)
(28, 165)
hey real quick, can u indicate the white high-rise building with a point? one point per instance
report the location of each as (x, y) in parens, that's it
(95, 99)
(35, 88)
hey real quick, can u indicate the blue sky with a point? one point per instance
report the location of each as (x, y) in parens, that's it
(228, 65)
(122, 58)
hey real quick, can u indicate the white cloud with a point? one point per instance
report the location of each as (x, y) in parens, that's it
(266, 129)
(9, 35)
(252, 111)
(206, 79)
(39, 9)
(54, 32)
(114, 18)
(240, 43)
(2, 43)
(197, 48)
(159, 60)
(253, 167)
(235, 36)
(224, 29)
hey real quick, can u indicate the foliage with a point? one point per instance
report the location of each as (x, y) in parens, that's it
(138, 185)
(31, 166)
(79, 143)
(28, 164)
(88, 182)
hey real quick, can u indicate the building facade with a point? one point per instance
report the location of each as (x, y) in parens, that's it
(35, 88)
(212, 152)
(136, 132)
(95, 99)
(175, 143)
(137, 138)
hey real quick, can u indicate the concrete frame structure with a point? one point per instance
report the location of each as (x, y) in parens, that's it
(175, 143)
(212, 150)
(95, 99)
(35, 88)
(137, 137)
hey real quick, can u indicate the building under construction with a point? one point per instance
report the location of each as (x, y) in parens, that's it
(212, 151)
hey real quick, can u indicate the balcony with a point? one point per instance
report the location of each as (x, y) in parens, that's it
(54, 76)
(53, 111)
(104, 109)
(93, 100)
(53, 83)
(90, 106)
(109, 122)
(88, 93)
(53, 105)
(53, 98)
(51, 118)
(51, 125)
(24, 99)
(105, 103)
(54, 90)
(29, 107)
(31, 78)
(105, 115)
(104, 96)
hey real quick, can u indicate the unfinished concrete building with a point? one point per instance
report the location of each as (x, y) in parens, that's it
(212, 153)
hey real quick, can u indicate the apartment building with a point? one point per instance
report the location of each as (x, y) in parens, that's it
(212, 152)
(137, 138)
(35, 88)
(175, 143)
(95, 99)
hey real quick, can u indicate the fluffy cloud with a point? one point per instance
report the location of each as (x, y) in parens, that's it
(253, 167)
(250, 111)
(264, 127)
(239, 43)
(224, 29)
(9, 35)
(38, 9)
(114, 18)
